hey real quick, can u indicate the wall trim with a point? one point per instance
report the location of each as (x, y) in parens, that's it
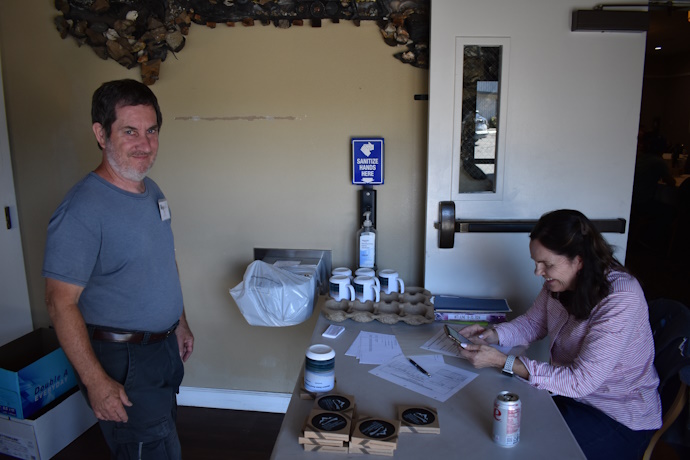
(216, 398)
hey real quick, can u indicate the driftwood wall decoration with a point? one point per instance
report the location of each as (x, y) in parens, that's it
(143, 32)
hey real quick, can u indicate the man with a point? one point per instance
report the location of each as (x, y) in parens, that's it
(112, 287)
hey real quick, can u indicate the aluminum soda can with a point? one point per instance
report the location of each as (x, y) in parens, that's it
(507, 411)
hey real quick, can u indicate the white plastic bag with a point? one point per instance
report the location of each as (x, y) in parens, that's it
(272, 296)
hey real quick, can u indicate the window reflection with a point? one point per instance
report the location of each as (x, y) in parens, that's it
(480, 96)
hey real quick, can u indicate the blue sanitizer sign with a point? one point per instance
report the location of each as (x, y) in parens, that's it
(367, 161)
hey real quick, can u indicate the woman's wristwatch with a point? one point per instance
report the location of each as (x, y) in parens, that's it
(508, 368)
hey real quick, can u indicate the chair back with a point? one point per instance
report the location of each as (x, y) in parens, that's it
(670, 322)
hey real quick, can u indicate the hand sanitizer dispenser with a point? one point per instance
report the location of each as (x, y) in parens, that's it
(366, 244)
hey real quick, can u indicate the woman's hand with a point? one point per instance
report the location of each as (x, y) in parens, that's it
(479, 334)
(481, 356)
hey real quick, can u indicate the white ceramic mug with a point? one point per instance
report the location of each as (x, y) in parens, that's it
(340, 288)
(342, 271)
(390, 281)
(368, 272)
(367, 288)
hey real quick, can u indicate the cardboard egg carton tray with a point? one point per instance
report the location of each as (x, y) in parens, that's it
(413, 307)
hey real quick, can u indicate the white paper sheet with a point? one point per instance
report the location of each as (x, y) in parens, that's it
(445, 380)
(373, 348)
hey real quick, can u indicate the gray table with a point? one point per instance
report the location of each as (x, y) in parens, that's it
(465, 418)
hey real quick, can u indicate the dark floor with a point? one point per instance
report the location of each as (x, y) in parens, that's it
(205, 434)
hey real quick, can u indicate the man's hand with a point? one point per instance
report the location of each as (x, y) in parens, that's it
(108, 399)
(185, 338)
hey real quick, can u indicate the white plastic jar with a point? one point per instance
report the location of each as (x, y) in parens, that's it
(319, 368)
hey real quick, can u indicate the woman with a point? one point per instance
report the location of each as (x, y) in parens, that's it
(602, 352)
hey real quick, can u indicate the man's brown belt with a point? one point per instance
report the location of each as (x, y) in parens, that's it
(130, 337)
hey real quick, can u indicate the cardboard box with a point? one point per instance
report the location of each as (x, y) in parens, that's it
(34, 372)
(51, 430)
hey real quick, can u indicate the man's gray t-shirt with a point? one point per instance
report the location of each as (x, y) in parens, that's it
(119, 247)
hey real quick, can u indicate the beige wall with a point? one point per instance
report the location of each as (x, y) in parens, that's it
(233, 184)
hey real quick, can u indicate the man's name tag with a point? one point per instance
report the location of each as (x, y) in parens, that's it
(164, 209)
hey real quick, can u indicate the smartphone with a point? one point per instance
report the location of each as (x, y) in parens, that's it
(455, 335)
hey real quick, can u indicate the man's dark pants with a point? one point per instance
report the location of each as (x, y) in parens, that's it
(151, 374)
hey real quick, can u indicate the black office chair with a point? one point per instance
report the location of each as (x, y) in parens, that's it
(670, 321)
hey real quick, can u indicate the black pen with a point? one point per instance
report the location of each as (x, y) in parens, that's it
(419, 368)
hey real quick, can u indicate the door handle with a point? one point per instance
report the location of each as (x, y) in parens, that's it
(447, 225)
(8, 219)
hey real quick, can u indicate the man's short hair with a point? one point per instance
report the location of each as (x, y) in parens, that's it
(121, 93)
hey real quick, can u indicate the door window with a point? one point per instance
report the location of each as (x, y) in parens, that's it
(479, 128)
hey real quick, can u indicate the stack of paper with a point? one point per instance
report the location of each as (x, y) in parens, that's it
(469, 309)
(374, 348)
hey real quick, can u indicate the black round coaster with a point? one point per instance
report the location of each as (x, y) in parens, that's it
(418, 416)
(329, 421)
(334, 403)
(376, 429)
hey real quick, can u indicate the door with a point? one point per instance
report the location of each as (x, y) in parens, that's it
(15, 309)
(525, 117)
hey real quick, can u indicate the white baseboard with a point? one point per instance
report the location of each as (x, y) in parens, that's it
(259, 401)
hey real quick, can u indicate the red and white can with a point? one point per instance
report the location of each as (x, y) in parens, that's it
(507, 411)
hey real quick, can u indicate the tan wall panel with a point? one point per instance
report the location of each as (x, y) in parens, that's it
(254, 152)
